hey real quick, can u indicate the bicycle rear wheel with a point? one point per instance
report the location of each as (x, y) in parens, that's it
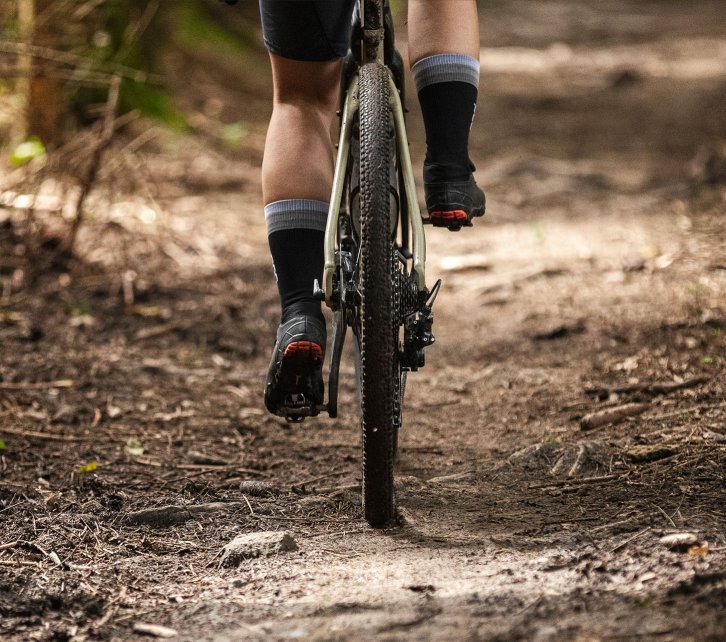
(378, 322)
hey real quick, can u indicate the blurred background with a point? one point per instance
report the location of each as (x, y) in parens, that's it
(637, 85)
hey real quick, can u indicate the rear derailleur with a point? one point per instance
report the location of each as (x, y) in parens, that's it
(417, 330)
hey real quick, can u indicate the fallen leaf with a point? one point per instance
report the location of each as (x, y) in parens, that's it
(27, 151)
(699, 550)
(87, 468)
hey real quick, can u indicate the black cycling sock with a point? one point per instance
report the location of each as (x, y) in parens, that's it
(297, 255)
(295, 230)
(448, 110)
(447, 86)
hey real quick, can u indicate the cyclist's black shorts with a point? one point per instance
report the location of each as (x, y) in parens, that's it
(313, 30)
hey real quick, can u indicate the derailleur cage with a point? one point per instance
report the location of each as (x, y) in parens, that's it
(417, 332)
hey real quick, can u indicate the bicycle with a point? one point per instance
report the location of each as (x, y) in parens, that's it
(375, 252)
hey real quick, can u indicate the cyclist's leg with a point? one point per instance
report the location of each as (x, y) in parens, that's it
(306, 39)
(444, 55)
(298, 137)
(297, 173)
(296, 180)
(442, 26)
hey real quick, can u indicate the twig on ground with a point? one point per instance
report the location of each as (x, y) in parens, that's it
(613, 524)
(334, 490)
(576, 482)
(247, 501)
(611, 415)
(336, 533)
(630, 539)
(307, 520)
(532, 604)
(578, 462)
(666, 515)
(333, 473)
(651, 387)
(111, 609)
(201, 469)
(39, 435)
(685, 411)
(177, 514)
(36, 385)
(19, 563)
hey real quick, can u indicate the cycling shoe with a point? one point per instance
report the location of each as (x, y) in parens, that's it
(453, 198)
(294, 387)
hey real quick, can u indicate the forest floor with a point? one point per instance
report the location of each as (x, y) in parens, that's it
(131, 377)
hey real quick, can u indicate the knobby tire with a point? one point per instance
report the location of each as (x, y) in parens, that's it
(378, 321)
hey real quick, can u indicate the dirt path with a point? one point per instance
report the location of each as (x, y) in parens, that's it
(598, 278)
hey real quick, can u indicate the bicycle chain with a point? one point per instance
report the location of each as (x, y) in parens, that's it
(396, 293)
(405, 301)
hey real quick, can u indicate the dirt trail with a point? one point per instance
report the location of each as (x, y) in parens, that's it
(597, 278)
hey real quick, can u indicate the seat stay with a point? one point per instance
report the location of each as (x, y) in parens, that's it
(350, 108)
(418, 237)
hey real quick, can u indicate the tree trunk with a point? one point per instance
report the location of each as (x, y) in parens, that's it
(44, 97)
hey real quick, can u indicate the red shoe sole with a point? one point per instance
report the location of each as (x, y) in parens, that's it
(445, 219)
(304, 351)
(300, 361)
(299, 374)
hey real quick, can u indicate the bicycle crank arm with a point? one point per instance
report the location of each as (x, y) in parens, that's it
(339, 329)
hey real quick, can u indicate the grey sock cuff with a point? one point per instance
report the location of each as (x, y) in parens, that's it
(445, 68)
(296, 214)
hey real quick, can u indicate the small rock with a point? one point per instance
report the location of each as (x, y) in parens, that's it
(253, 545)
(679, 541)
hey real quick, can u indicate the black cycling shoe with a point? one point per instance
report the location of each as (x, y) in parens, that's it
(453, 198)
(294, 387)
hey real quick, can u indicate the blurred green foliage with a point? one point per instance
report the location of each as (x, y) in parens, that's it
(94, 39)
(196, 26)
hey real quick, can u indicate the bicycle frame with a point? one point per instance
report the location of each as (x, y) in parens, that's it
(372, 50)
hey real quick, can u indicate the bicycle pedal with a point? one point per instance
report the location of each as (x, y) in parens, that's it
(297, 407)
